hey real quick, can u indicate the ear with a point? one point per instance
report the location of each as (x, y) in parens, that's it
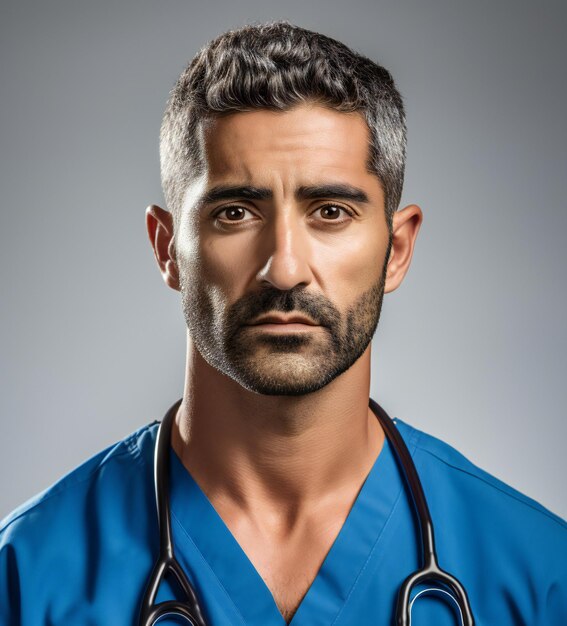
(405, 226)
(159, 223)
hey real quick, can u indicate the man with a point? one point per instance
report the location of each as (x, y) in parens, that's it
(282, 165)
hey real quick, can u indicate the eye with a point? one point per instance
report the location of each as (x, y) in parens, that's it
(233, 214)
(332, 213)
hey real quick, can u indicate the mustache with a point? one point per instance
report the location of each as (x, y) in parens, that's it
(296, 300)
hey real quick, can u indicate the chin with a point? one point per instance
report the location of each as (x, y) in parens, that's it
(290, 378)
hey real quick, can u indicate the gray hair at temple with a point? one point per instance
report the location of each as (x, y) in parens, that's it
(277, 66)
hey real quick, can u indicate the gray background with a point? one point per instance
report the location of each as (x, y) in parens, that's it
(471, 348)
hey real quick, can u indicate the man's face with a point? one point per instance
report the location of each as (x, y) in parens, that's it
(286, 221)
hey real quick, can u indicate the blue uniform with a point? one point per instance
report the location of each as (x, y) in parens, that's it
(80, 553)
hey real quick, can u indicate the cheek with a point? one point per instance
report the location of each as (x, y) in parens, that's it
(212, 275)
(355, 265)
(204, 259)
(223, 265)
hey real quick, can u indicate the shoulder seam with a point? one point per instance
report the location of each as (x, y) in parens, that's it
(130, 446)
(539, 509)
(131, 443)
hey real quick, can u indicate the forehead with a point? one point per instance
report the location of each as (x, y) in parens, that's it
(298, 145)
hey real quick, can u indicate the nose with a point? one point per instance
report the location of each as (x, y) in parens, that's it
(287, 249)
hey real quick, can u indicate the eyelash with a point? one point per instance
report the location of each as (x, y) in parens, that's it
(323, 206)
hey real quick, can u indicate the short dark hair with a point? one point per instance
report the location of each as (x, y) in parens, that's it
(277, 66)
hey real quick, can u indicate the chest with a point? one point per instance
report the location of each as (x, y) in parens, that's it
(289, 572)
(289, 565)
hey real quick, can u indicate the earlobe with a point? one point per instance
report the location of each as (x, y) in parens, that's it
(159, 224)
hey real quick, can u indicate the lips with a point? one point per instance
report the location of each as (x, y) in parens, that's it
(281, 319)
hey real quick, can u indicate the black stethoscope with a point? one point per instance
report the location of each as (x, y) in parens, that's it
(190, 610)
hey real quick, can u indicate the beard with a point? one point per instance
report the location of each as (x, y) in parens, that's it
(290, 364)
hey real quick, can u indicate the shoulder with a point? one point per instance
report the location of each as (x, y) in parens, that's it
(507, 539)
(91, 521)
(121, 458)
(496, 519)
(441, 458)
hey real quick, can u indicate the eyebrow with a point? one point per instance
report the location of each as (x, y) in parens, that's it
(339, 191)
(305, 192)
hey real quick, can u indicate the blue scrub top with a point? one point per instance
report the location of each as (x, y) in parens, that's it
(81, 551)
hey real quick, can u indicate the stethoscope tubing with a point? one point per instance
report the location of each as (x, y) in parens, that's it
(191, 610)
(150, 612)
(430, 571)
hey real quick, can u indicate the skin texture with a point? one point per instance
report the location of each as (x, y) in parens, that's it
(275, 425)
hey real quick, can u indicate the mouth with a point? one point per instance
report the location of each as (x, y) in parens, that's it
(280, 323)
(283, 327)
(283, 320)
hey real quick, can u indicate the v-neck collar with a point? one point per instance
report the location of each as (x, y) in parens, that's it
(341, 569)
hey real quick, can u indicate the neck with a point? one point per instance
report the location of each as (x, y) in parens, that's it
(275, 455)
